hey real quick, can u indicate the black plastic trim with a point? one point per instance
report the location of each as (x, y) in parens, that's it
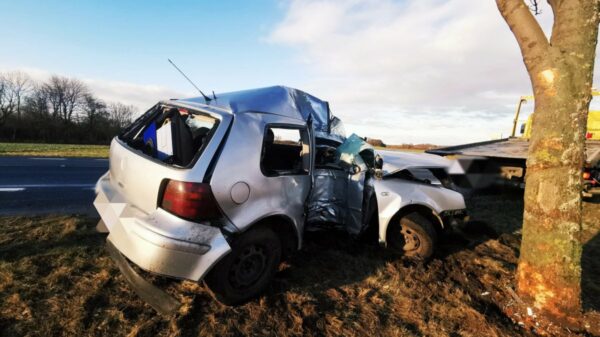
(157, 298)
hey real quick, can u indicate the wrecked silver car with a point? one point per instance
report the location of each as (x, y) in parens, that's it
(222, 189)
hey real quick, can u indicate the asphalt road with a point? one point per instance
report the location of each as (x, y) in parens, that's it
(30, 185)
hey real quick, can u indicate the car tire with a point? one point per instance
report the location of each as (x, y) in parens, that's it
(414, 236)
(248, 269)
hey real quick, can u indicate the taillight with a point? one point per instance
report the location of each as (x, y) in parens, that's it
(587, 175)
(192, 201)
(589, 135)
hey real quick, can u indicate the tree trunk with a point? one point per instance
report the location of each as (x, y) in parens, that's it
(549, 271)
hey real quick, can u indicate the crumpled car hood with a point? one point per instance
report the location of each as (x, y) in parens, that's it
(395, 161)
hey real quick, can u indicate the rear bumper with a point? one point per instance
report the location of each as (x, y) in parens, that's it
(159, 242)
(158, 299)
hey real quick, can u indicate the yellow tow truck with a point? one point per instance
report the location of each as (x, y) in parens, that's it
(593, 124)
(509, 155)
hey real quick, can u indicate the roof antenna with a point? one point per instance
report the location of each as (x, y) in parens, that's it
(206, 98)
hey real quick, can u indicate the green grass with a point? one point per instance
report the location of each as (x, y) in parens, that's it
(56, 279)
(53, 150)
(399, 149)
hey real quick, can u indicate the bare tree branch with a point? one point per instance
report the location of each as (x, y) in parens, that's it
(7, 98)
(65, 96)
(530, 36)
(121, 114)
(20, 84)
(533, 5)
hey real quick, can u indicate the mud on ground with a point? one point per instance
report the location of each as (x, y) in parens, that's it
(57, 280)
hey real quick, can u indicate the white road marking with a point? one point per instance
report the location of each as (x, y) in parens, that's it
(11, 189)
(48, 186)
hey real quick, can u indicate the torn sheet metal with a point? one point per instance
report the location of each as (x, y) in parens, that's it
(337, 131)
(337, 200)
(277, 100)
(338, 195)
(328, 198)
(349, 152)
(355, 195)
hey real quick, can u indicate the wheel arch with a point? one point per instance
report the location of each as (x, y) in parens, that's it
(285, 229)
(421, 209)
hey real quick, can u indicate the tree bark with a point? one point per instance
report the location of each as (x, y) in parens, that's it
(561, 70)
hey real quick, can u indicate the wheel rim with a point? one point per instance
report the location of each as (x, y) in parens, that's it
(412, 241)
(248, 267)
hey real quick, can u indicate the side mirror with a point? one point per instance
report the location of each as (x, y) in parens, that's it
(523, 128)
(378, 162)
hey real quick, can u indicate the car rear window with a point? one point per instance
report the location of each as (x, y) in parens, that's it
(173, 135)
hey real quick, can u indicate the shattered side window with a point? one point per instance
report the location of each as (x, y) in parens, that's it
(349, 153)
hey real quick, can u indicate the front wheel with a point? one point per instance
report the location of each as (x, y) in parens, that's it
(248, 269)
(413, 236)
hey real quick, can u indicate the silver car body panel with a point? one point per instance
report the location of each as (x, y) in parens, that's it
(395, 194)
(152, 238)
(158, 241)
(239, 163)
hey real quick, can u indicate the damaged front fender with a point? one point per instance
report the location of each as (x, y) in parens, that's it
(393, 195)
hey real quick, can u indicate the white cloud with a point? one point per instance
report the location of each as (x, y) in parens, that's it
(142, 96)
(433, 71)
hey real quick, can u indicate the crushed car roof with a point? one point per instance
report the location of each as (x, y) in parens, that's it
(277, 100)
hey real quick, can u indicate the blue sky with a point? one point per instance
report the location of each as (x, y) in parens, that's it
(406, 71)
(219, 43)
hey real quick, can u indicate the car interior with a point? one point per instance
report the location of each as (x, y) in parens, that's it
(189, 133)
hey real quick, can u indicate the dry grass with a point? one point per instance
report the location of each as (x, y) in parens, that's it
(53, 150)
(56, 279)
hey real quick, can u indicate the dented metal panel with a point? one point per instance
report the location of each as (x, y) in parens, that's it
(328, 198)
(276, 100)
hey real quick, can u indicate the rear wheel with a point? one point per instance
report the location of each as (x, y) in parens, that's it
(248, 269)
(413, 236)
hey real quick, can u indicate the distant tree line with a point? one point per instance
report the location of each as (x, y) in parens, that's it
(59, 110)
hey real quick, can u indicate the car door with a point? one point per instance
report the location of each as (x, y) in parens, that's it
(264, 170)
(357, 156)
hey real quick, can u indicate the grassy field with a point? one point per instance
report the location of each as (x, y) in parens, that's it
(98, 151)
(53, 150)
(56, 279)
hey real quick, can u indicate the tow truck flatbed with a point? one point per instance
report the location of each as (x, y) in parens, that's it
(511, 149)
